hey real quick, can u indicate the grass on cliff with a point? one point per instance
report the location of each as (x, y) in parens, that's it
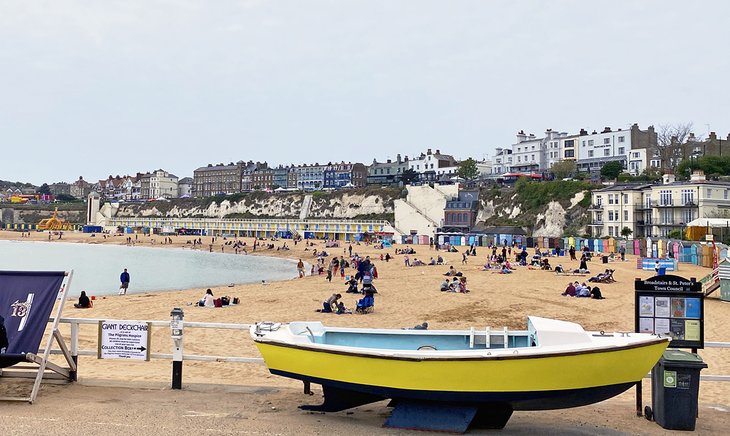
(535, 195)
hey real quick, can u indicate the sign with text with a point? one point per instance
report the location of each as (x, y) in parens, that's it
(671, 306)
(124, 340)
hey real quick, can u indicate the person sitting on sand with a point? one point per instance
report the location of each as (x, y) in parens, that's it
(454, 285)
(451, 272)
(559, 269)
(352, 286)
(596, 293)
(341, 309)
(207, 300)
(583, 290)
(445, 285)
(545, 265)
(432, 261)
(84, 302)
(570, 290)
(328, 304)
(462, 285)
(439, 260)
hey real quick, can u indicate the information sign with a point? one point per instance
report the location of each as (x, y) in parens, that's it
(671, 306)
(124, 340)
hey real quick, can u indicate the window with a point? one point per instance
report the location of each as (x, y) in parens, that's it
(687, 196)
(635, 155)
(626, 215)
(621, 139)
(533, 147)
(569, 153)
(606, 141)
(590, 153)
(610, 215)
(599, 200)
(709, 193)
(665, 198)
(533, 157)
(687, 215)
(518, 159)
(607, 152)
(569, 143)
(610, 198)
(590, 143)
(584, 143)
(626, 198)
(726, 194)
(667, 216)
(621, 150)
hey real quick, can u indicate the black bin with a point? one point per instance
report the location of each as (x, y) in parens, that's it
(604, 259)
(675, 385)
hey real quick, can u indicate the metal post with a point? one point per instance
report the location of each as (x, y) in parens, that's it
(75, 349)
(176, 332)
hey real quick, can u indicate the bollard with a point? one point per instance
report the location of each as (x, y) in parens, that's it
(176, 332)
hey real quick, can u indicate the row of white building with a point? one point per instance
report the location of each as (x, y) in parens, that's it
(636, 149)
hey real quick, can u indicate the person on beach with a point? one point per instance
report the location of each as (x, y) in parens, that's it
(300, 268)
(84, 301)
(208, 300)
(570, 290)
(124, 278)
(328, 304)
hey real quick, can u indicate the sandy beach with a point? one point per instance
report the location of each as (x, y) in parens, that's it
(407, 296)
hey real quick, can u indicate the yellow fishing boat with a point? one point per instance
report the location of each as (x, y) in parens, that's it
(551, 365)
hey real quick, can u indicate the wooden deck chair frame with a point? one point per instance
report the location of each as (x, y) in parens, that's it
(45, 369)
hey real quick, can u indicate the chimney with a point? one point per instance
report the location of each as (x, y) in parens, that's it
(521, 136)
(606, 130)
(389, 161)
(438, 151)
(698, 176)
(713, 136)
(668, 178)
(531, 137)
(583, 132)
(428, 151)
(397, 159)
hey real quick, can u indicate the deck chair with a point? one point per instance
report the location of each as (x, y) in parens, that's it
(26, 301)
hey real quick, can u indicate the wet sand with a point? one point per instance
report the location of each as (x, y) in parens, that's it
(407, 296)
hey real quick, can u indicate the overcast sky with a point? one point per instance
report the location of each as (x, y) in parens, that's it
(93, 88)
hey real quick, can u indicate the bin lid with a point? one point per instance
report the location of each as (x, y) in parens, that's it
(683, 359)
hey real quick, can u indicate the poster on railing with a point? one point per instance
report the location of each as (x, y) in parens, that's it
(671, 306)
(124, 340)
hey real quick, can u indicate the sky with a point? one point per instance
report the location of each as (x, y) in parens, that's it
(93, 89)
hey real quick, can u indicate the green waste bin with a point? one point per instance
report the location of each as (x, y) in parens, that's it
(675, 385)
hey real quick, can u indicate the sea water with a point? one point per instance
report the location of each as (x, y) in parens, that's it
(97, 267)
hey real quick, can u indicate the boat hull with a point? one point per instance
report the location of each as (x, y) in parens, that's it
(534, 382)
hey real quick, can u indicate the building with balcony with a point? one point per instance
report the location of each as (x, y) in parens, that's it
(388, 172)
(344, 175)
(596, 149)
(310, 177)
(158, 184)
(657, 210)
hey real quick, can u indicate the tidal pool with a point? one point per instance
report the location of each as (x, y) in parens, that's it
(97, 267)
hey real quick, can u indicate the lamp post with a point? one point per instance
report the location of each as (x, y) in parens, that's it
(176, 332)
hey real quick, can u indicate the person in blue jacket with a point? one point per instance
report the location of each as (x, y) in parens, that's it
(124, 278)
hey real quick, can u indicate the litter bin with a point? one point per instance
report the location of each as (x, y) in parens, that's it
(604, 259)
(662, 271)
(675, 385)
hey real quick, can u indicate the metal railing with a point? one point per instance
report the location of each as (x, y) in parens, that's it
(76, 322)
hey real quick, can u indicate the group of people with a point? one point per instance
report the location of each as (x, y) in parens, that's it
(456, 284)
(575, 289)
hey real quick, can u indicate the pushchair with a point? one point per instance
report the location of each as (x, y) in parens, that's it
(366, 304)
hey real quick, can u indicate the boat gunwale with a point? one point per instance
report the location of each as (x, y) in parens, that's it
(417, 358)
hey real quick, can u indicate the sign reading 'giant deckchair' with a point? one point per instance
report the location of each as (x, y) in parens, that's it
(26, 302)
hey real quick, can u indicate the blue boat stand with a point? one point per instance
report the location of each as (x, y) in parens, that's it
(418, 414)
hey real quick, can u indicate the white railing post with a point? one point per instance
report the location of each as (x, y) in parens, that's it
(75, 349)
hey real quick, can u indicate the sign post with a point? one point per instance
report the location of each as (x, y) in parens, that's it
(124, 340)
(671, 306)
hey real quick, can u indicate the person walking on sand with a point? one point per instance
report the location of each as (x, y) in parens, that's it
(124, 278)
(300, 268)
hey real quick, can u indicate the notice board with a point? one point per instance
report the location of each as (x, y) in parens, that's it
(671, 306)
